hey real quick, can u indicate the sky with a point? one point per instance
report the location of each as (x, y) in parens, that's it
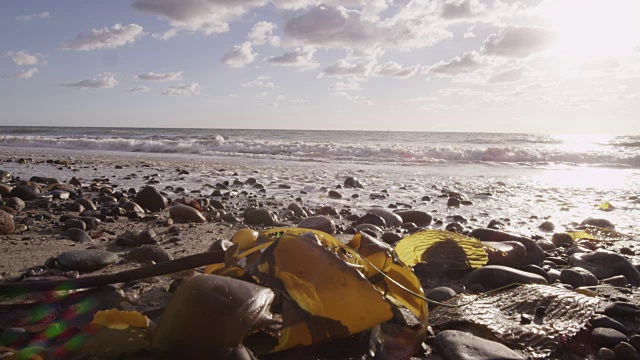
(551, 66)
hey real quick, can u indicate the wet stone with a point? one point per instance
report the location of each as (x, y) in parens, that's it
(86, 260)
(607, 322)
(605, 264)
(622, 309)
(149, 198)
(606, 337)
(148, 253)
(389, 217)
(458, 345)
(319, 222)
(625, 351)
(77, 235)
(7, 225)
(495, 276)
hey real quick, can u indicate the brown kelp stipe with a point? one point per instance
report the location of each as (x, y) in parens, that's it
(168, 267)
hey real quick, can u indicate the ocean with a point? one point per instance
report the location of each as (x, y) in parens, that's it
(518, 179)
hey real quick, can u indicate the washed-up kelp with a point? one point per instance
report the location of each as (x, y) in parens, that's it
(330, 290)
(595, 233)
(453, 250)
(566, 312)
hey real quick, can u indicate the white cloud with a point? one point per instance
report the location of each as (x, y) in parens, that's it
(458, 9)
(302, 58)
(23, 74)
(345, 86)
(139, 89)
(516, 41)
(421, 99)
(261, 81)
(161, 77)
(23, 58)
(506, 76)
(239, 55)
(165, 35)
(468, 62)
(345, 68)
(183, 90)
(106, 38)
(469, 34)
(393, 69)
(38, 16)
(102, 81)
(299, 101)
(262, 33)
(205, 16)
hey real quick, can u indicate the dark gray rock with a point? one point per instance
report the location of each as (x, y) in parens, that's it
(547, 226)
(351, 182)
(25, 192)
(571, 277)
(297, 210)
(391, 237)
(7, 225)
(75, 224)
(617, 280)
(607, 322)
(147, 237)
(420, 218)
(605, 337)
(562, 239)
(453, 202)
(458, 345)
(319, 222)
(625, 351)
(86, 203)
(147, 253)
(440, 294)
(509, 253)
(259, 216)
(622, 309)
(536, 270)
(149, 198)
(77, 235)
(15, 203)
(603, 223)
(390, 218)
(86, 260)
(605, 264)
(495, 276)
(74, 207)
(184, 213)
(372, 219)
(334, 194)
(535, 255)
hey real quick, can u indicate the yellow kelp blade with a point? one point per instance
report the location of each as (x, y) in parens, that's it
(119, 333)
(404, 279)
(577, 235)
(338, 297)
(606, 206)
(450, 249)
(597, 233)
(119, 319)
(378, 254)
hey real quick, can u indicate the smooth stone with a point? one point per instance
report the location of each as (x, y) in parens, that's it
(547, 226)
(147, 253)
(420, 218)
(369, 227)
(149, 198)
(453, 202)
(495, 276)
(319, 222)
(147, 237)
(546, 245)
(622, 309)
(458, 345)
(259, 216)
(334, 195)
(86, 260)
(560, 239)
(5, 190)
(605, 337)
(86, 203)
(25, 192)
(537, 270)
(75, 224)
(605, 264)
(132, 206)
(607, 322)
(625, 351)
(297, 210)
(440, 294)
(589, 278)
(77, 235)
(74, 207)
(634, 340)
(618, 280)
(15, 203)
(603, 223)
(351, 182)
(5, 175)
(389, 217)
(573, 278)
(391, 237)
(7, 225)
(372, 219)
(606, 354)
(509, 253)
(186, 213)
(535, 255)
(576, 250)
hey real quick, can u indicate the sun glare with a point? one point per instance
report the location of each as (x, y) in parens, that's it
(594, 29)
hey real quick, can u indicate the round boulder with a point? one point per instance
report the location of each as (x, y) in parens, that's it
(319, 222)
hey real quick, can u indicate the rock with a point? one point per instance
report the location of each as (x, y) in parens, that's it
(454, 227)
(606, 354)
(546, 245)
(334, 194)
(319, 222)
(351, 182)
(605, 337)
(453, 202)
(86, 203)
(607, 322)
(297, 210)
(440, 294)
(77, 235)
(589, 278)
(495, 276)
(5, 189)
(5, 175)
(547, 226)
(75, 224)
(15, 203)
(391, 237)
(625, 351)
(420, 218)
(147, 237)
(509, 253)
(372, 219)
(149, 198)
(259, 216)
(603, 223)
(7, 225)
(573, 278)
(605, 264)
(618, 280)
(634, 340)
(25, 192)
(562, 239)
(390, 218)
(184, 213)
(86, 260)
(147, 253)
(535, 255)
(328, 210)
(538, 271)
(458, 345)
(622, 309)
